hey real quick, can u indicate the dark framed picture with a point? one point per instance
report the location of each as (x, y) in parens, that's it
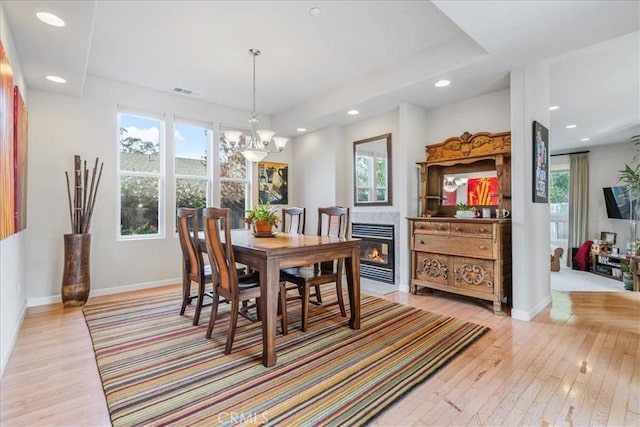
(540, 163)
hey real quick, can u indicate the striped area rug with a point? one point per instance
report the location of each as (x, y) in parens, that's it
(158, 369)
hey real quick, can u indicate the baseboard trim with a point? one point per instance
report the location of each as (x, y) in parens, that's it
(34, 302)
(528, 315)
(13, 340)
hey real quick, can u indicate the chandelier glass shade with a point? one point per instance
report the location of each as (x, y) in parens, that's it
(256, 145)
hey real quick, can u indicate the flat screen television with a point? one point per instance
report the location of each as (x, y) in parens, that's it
(618, 202)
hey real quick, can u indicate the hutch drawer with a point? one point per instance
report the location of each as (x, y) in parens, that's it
(437, 227)
(484, 230)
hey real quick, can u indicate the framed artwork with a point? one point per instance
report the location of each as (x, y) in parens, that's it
(20, 142)
(482, 191)
(7, 185)
(540, 163)
(273, 183)
(608, 238)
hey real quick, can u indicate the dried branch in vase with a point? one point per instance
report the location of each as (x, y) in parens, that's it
(84, 195)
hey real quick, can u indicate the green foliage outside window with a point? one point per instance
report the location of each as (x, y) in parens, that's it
(138, 205)
(559, 187)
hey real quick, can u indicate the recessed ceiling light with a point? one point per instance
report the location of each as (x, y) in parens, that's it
(56, 79)
(353, 112)
(553, 108)
(315, 11)
(442, 83)
(584, 139)
(51, 19)
(301, 129)
(571, 126)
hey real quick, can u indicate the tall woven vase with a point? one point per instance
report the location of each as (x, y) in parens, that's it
(76, 281)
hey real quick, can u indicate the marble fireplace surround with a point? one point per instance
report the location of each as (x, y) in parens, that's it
(382, 217)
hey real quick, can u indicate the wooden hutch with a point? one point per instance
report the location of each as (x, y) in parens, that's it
(470, 257)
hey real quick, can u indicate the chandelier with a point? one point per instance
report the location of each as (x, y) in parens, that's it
(258, 142)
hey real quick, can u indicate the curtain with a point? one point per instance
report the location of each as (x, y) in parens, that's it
(578, 201)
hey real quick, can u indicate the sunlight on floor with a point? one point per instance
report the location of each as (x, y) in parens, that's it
(573, 280)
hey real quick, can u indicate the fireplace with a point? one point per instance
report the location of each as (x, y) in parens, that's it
(376, 251)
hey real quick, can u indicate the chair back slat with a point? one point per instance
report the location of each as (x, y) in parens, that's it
(293, 220)
(187, 224)
(217, 220)
(333, 221)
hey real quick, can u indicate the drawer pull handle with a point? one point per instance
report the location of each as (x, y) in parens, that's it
(421, 242)
(483, 247)
(483, 230)
(457, 228)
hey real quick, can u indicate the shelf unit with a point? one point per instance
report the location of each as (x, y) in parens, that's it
(470, 257)
(607, 264)
(479, 152)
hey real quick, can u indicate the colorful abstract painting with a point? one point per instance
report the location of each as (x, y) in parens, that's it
(273, 183)
(7, 184)
(20, 143)
(482, 191)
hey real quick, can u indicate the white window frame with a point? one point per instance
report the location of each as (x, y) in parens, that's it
(161, 175)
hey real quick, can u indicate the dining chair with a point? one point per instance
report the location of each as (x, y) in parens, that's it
(228, 283)
(193, 267)
(332, 221)
(293, 219)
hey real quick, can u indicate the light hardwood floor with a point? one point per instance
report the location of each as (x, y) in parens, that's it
(577, 363)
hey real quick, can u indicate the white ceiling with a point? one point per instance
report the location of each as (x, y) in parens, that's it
(369, 55)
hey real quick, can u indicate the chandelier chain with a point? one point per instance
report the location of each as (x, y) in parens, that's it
(254, 53)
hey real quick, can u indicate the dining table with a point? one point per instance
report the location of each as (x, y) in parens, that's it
(268, 255)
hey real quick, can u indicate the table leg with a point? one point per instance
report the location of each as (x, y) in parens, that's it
(269, 288)
(352, 265)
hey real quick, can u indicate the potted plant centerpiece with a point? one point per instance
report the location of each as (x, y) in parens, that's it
(464, 211)
(262, 218)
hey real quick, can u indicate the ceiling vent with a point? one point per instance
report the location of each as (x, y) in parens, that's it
(182, 91)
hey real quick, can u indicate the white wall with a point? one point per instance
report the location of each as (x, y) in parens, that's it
(604, 163)
(316, 169)
(65, 126)
(485, 113)
(529, 221)
(13, 284)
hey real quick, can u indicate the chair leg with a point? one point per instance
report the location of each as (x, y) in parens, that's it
(282, 307)
(200, 302)
(340, 298)
(214, 314)
(258, 309)
(305, 308)
(339, 287)
(318, 295)
(233, 322)
(186, 288)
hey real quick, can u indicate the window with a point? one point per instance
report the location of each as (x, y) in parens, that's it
(192, 174)
(371, 177)
(559, 207)
(140, 175)
(235, 184)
